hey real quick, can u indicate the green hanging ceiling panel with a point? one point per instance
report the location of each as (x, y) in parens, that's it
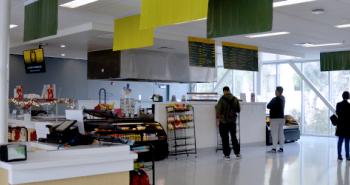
(41, 19)
(335, 61)
(236, 17)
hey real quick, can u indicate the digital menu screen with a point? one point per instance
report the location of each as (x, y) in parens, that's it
(201, 52)
(240, 57)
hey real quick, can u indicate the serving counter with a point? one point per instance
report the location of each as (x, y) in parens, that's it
(252, 122)
(107, 165)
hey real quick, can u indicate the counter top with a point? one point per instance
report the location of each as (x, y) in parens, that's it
(49, 165)
(208, 103)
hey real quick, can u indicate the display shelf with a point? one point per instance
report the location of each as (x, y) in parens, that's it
(180, 138)
(181, 130)
(134, 130)
(184, 152)
(179, 111)
(180, 145)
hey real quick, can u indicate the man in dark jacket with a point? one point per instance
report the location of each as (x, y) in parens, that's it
(227, 109)
(343, 125)
(277, 120)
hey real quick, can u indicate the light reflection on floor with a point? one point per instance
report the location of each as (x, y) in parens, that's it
(311, 161)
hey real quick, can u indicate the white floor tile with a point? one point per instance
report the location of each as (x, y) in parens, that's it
(310, 161)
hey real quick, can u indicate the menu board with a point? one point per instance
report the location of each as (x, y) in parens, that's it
(201, 52)
(240, 57)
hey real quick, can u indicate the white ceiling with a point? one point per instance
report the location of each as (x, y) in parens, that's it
(90, 28)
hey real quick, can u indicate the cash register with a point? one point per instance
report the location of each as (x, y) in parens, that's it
(63, 132)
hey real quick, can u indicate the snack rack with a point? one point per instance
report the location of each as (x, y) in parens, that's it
(181, 130)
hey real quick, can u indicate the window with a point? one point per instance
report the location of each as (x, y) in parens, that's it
(243, 82)
(204, 87)
(315, 111)
(224, 79)
(268, 82)
(340, 83)
(291, 83)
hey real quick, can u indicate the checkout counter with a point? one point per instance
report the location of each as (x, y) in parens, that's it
(251, 122)
(46, 165)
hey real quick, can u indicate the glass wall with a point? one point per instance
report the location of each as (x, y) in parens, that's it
(291, 83)
(341, 83)
(301, 101)
(268, 82)
(316, 113)
(243, 82)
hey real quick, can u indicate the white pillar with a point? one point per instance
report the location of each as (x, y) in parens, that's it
(5, 8)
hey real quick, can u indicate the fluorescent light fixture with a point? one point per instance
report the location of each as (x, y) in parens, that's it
(62, 46)
(13, 26)
(309, 45)
(268, 34)
(290, 2)
(77, 3)
(343, 26)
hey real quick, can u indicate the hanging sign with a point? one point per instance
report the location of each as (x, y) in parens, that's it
(236, 17)
(40, 19)
(240, 57)
(156, 13)
(128, 35)
(335, 61)
(201, 52)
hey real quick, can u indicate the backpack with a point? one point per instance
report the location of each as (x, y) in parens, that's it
(230, 114)
(139, 177)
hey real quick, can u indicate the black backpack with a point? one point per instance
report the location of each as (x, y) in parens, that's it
(230, 114)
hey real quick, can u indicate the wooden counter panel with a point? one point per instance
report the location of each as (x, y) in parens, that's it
(3, 177)
(106, 179)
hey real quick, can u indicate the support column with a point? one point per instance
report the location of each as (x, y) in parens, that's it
(5, 8)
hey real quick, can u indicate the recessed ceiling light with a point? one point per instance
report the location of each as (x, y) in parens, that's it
(62, 46)
(343, 26)
(309, 45)
(289, 2)
(267, 34)
(77, 3)
(63, 54)
(13, 26)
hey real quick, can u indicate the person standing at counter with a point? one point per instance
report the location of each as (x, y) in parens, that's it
(227, 109)
(277, 119)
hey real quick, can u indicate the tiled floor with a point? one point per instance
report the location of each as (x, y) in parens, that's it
(310, 161)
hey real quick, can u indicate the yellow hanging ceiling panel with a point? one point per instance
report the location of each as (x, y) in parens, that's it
(156, 13)
(128, 35)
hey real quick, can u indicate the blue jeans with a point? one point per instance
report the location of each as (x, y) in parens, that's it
(340, 144)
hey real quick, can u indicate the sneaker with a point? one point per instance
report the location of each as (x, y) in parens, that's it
(280, 150)
(272, 151)
(227, 158)
(238, 156)
(340, 158)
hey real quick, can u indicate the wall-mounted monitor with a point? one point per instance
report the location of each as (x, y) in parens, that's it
(34, 60)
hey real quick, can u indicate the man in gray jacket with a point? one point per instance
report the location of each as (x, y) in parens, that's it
(227, 109)
(277, 120)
